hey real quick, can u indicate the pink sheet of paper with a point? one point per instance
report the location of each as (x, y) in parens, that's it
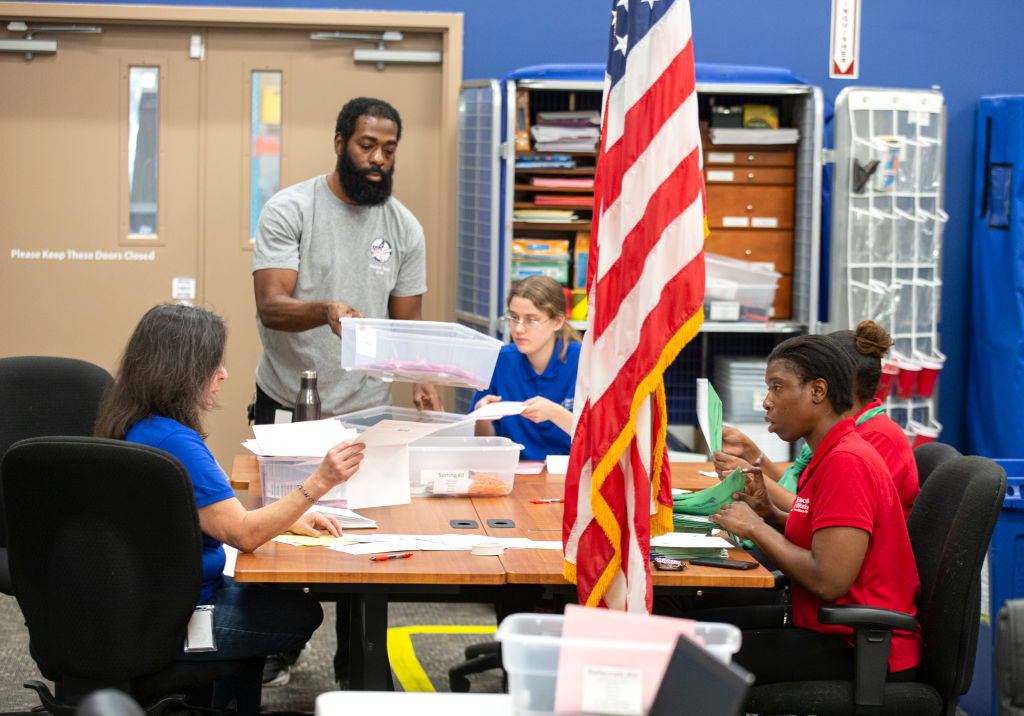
(593, 640)
(530, 467)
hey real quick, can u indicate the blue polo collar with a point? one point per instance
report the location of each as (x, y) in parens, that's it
(550, 371)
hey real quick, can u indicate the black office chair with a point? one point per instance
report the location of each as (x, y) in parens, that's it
(105, 556)
(950, 527)
(43, 395)
(931, 455)
(1009, 658)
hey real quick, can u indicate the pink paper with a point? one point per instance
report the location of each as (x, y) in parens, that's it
(594, 638)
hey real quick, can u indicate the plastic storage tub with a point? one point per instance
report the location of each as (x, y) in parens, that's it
(749, 285)
(418, 351)
(530, 645)
(457, 425)
(473, 466)
(280, 475)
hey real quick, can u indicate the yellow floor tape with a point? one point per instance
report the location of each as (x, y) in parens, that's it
(402, 656)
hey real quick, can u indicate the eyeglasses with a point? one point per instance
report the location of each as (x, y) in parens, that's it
(528, 322)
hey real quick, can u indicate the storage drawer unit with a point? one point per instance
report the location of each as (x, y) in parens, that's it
(751, 209)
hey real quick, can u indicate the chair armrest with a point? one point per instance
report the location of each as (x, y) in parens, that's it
(872, 634)
(854, 615)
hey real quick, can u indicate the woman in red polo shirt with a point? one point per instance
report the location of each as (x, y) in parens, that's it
(865, 346)
(844, 541)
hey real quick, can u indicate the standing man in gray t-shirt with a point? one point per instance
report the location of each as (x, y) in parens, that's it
(330, 247)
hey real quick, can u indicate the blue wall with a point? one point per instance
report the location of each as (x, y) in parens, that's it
(968, 49)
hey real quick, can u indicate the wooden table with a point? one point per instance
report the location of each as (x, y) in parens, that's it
(447, 576)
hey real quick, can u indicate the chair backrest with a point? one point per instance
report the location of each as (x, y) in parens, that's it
(45, 395)
(1009, 658)
(931, 455)
(105, 554)
(950, 526)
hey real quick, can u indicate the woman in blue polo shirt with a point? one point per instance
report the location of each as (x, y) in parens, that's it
(538, 368)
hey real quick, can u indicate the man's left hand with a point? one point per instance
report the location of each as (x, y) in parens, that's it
(425, 397)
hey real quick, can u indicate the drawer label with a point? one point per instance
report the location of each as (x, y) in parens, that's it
(721, 175)
(764, 222)
(721, 158)
(735, 222)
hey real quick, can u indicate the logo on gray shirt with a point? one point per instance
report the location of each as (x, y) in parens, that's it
(381, 250)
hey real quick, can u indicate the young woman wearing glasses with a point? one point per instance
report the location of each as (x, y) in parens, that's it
(538, 368)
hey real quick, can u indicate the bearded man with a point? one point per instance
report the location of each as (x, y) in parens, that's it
(334, 246)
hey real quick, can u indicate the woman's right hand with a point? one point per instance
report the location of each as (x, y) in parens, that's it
(755, 494)
(340, 463)
(735, 442)
(486, 400)
(725, 464)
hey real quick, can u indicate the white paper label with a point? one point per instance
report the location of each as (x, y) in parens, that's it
(721, 158)
(612, 690)
(721, 175)
(366, 341)
(735, 222)
(725, 311)
(183, 288)
(446, 482)
(764, 222)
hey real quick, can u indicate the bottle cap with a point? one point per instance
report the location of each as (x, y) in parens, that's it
(309, 374)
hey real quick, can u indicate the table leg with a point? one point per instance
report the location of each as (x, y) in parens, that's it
(377, 674)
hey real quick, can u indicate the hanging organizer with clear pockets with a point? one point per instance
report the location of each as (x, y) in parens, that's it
(887, 238)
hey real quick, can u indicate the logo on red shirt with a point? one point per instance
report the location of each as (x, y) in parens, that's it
(801, 505)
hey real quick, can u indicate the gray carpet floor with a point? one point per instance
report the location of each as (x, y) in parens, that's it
(313, 676)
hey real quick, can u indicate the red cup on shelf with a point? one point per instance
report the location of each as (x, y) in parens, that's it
(928, 376)
(906, 381)
(925, 433)
(889, 372)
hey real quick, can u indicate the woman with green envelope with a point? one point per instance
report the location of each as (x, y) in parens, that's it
(865, 346)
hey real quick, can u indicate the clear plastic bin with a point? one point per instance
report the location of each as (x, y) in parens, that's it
(729, 279)
(280, 475)
(474, 466)
(457, 425)
(419, 351)
(530, 645)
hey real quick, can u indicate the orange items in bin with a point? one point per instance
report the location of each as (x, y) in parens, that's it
(483, 484)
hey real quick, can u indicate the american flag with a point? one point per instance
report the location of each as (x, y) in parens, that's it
(645, 285)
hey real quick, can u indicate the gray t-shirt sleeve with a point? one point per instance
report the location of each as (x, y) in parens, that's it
(277, 234)
(412, 278)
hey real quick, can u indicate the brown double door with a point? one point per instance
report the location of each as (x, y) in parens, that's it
(78, 266)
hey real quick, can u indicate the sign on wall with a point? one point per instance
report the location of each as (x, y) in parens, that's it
(844, 45)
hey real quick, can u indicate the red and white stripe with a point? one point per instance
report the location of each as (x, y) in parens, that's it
(646, 289)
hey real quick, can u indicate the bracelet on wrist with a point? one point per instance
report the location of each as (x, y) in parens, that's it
(305, 494)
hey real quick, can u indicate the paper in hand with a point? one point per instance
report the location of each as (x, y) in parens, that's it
(709, 415)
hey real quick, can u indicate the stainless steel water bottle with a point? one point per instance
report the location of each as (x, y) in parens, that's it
(307, 403)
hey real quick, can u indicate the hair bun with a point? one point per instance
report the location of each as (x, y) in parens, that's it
(872, 340)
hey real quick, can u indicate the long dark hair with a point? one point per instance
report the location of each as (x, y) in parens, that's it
(865, 346)
(169, 359)
(548, 296)
(817, 356)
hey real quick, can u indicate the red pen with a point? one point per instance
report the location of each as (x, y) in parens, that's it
(386, 557)
(553, 499)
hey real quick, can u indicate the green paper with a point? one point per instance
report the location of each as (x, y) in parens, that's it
(709, 415)
(708, 501)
